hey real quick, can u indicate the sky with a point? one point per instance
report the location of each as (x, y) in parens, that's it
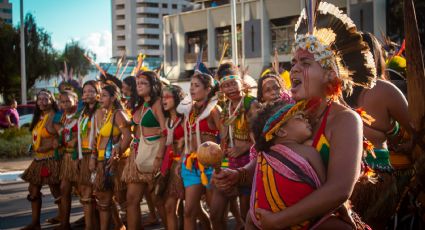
(85, 21)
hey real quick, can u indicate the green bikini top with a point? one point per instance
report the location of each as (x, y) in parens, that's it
(148, 118)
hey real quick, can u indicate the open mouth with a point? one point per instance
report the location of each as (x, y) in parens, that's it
(295, 84)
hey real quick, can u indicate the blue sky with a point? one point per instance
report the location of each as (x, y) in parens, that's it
(87, 21)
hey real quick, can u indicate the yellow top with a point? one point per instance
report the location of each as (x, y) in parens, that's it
(40, 132)
(105, 130)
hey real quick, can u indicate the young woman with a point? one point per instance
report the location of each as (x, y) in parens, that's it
(86, 120)
(67, 129)
(202, 123)
(174, 133)
(379, 205)
(147, 150)
(236, 142)
(337, 130)
(129, 91)
(271, 88)
(113, 138)
(44, 169)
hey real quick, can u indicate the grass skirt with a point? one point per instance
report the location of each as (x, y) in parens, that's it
(84, 171)
(109, 180)
(69, 168)
(132, 175)
(376, 203)
(175, 186)
(42, 172)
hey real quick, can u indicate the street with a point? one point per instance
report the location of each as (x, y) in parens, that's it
(15, 210)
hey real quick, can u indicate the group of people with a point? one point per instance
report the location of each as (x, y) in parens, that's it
(315, 156)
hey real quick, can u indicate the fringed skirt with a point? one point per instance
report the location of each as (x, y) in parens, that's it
(376, 202)
(108, 179)
(42, 172)
(84, 171)
(69, 169)
(132, 175)
(175, 186)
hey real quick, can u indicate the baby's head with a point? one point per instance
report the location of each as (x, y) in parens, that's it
(297, 129)
(277, 122)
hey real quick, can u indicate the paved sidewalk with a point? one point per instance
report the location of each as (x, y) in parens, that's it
(20, 164)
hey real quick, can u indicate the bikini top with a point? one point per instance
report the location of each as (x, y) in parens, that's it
(148, 118)
(320, 142)
(105, 130)
(203, 126)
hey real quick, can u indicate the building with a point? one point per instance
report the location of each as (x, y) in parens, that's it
(267, 25)
(6, 11)
(137, 26)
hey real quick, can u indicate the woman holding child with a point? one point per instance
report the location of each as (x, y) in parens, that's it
(319, 74)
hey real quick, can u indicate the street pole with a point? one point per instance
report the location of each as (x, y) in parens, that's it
(234, 33)
(242, 34)
(23, 69)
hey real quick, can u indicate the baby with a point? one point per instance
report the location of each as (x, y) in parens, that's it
(288, 167)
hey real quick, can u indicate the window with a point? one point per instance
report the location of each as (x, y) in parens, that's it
(282, 34)
(121, 27)
(224, 35)
(164, 5)
(149, 47)
(149, 36)
(121, 48)
(148, 4)
(194, 42)
(148, 25)
(148, 15)
(121, 38)
(7, 11)
(120, 17)
(119, 6)
(174, 6)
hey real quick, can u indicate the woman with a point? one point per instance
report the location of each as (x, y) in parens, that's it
(113, 138)
(129, 91)
(147, 150)
(377, 207)
(236, 142)
(174, 191)
(91, 95)
(11, 115)
(271, 88)
(67, 129)
(44, 169)
(337, 130)
(202, 123)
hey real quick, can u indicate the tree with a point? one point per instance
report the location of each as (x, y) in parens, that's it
(73, 55)
(40, 56)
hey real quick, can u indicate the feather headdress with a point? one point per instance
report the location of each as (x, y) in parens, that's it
(331, 36)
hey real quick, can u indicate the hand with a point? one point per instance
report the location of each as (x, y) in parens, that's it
(92, 165)
(234, 152)
(157, 164)
(177, 170)
(267, 219)
(226, 179)
(55, 143)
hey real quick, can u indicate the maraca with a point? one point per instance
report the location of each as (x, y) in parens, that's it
(210, 155)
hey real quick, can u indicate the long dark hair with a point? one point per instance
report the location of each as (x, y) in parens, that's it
(262, 79)
(259, 121)
(155, 84)
(37, 111)
(134, 98)
(113, 90)
(178, 96)
(87, 110)
(208, 82)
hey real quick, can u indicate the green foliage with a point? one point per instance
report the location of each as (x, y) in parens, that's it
(14, 143)
(73, 55)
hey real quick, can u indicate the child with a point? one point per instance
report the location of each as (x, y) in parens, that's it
(288, 169)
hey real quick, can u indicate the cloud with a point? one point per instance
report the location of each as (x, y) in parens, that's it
(100, 43)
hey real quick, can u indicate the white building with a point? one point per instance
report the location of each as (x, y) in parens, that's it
(137, 26)
(6, 11)
(267, 24)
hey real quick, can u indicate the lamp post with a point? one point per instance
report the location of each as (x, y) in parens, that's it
(23, 69)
